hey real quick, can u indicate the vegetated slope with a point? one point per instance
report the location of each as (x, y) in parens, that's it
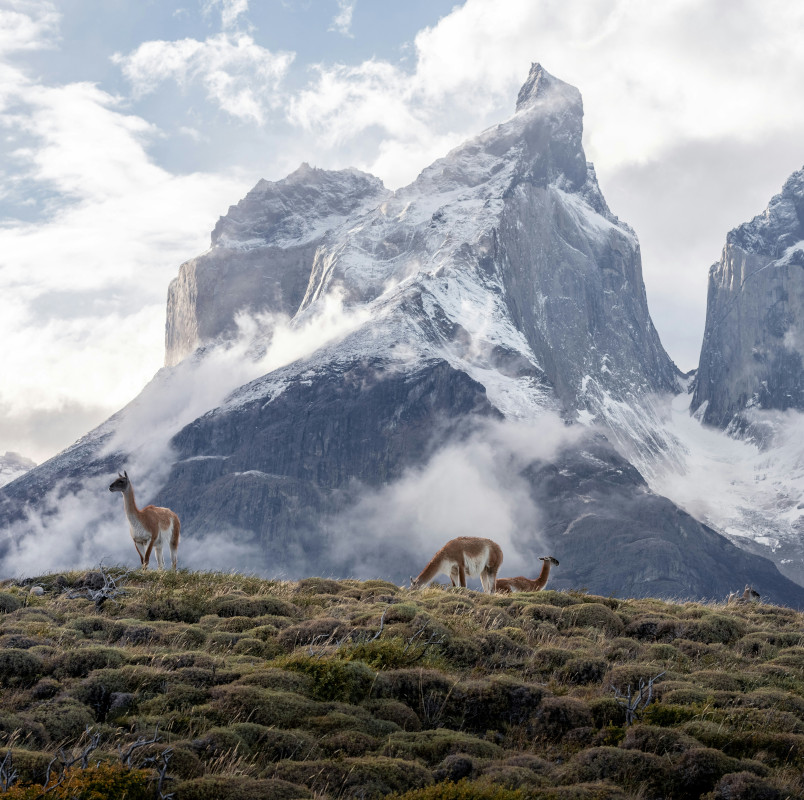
(329, 689)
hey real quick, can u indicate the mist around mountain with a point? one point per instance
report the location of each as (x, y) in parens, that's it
(355, 376)
(13, 465)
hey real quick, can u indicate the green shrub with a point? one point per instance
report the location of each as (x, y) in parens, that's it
(541, 612)
(434, 746)
(622, 648)
(80, 662)
(347, 743)
(606, 711)
(742, 786)
(556, 716)
(63, 719)
(548, 659)
(217, 742)
(372, 777)
(19, 668)
(281, 679)
(713, 628)
(697, 771)
(263, 706)
(30, 764)
(426, 691)
(394, 711)
(653, 629)
(9, 602)
(347, 681)
(462, 790)
(252, 607)
(631, 769)
(269, 744)
(666, 714)
(621, 677)
(592, 615)
(492, 704)
(583, 670)
(236, 787)
(318, 586)
(657, 740)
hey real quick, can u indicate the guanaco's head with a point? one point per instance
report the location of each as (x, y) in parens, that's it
(121, 484)
(414, 584)
(550, 559)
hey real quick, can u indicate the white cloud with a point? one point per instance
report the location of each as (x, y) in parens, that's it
(342, 23)
(231, 11)
(469, 488)
(655, 89)
(28, 25)
(84, 285)
(239, 75)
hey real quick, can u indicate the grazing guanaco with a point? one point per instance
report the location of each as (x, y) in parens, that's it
(150, 526)
(749, 595)
(466, 555)
(521, 584)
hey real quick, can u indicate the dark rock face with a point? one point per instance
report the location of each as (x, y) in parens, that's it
(612, 535)
(278, 468)
(754, 339)
(262, 254)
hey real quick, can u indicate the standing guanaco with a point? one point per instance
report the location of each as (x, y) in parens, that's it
(521, 584)
(466, 555)
(149, 526)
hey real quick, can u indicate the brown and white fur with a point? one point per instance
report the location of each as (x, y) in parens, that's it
(150, 526)
(749, 595)
(521, 584)
(466, 555)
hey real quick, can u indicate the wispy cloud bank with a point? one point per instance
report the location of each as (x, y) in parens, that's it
(342, 23)
(239, 75)
(475, 487)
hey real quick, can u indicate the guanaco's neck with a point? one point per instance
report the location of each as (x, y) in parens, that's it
(430, 571)
(543, 575)
(130, 503)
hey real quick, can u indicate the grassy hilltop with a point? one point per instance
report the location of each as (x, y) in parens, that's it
(237, 687)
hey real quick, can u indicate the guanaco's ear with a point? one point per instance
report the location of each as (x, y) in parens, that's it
(125, 474)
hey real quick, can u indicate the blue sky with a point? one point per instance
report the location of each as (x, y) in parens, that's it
(127, 128)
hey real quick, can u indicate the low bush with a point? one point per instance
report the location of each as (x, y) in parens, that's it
(237, 787)
(462, 790)
(394, 711)
(80, 662)
(713, 628)
(580, 671)
(556, 716)
(631, 769)
(332, 679)
(252, 607)
(697, 771)
(63, 720)
(19, 667)
(263, 706)
(9, 602)
(743, 786)
(372, 777)
(592, 615)
(434, 746)
(657, 740)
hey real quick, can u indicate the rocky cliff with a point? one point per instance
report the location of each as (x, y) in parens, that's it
(751, 356)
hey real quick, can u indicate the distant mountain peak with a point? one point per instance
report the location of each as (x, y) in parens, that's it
(541, 85)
